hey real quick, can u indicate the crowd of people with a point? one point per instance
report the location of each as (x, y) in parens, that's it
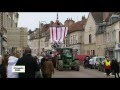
(110, 66)
(35, 67)
(43, 66)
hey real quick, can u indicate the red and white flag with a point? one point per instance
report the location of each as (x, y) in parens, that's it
(57, 34)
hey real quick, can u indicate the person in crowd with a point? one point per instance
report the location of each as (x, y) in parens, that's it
(2, 69)
(42, 66)
(31, 65)
(86, 62)
(40, 58)
(48, 68)
(12, 60)
(107, 65)
(38, 73)
(43, 53)
(5, 59)
(52, 56)
(115, 68)
(91, 63)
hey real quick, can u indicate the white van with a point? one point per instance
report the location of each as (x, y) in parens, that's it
(96, 60)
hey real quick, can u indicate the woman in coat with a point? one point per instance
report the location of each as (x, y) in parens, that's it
(12, 60)
(48, 68)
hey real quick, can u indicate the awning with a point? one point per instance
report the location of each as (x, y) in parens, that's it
(117, 49)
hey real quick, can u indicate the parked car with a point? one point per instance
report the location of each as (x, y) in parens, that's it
(91, 63)
(96, 61)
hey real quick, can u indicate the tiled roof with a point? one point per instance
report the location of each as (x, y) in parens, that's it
(45, 27)
(98, 17)
(68, 20)
(110, 14)
(77, 26)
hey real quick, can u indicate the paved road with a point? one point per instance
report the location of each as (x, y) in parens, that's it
(83, 73)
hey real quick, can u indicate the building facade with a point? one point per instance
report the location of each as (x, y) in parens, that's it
(113, 40)
(7, 20)
(94, 18)
(76, 33)
(17, 39)
(68, 24)
(101, 35)
(101, 39)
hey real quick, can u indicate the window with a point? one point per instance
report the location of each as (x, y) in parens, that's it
(16, 24)
(113, 36)
(71, 39)
(76, 39)
(119, 36)
(90, 38)
(93, 52)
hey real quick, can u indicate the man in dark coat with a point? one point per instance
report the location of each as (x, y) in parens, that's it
(31, 66)
(115, 67)
(2, 69)
(42, 66)
(86, 62)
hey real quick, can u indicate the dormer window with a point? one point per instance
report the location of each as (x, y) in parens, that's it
(113, 18)
(90, 38)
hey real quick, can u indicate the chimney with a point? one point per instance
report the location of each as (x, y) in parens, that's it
(83, 17)
(105, 15)
(51, 22)
(40, 25)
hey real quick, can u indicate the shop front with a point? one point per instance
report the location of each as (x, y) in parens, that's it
(117, 52)
(110, 52)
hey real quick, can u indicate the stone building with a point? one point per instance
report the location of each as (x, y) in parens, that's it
(76, 33)
(7, 20)
(17, 39)
(68, 23)
(101, 36)
(113, 37)
(94, 18)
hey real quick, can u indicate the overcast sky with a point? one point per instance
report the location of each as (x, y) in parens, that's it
(31, 19)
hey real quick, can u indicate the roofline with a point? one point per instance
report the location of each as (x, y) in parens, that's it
(113, 23)
(92, 18)
(76, 30)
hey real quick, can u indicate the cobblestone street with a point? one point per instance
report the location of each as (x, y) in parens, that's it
(83, 73)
